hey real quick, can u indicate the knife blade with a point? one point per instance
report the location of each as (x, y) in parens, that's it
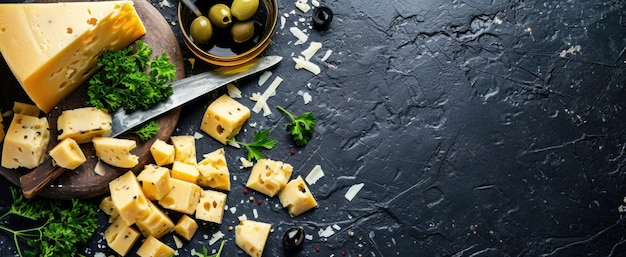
(190, 88)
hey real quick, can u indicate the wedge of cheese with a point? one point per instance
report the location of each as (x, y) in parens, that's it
(116, 151)
(251, 236)
(26, 109)
(269, 177)
(26, 142)
(128, 199)
(224, 118)
(83, 124)
(52, 48)
(214, 171)
(121, 237)
(297, 197)
(68, 154)
(152, 247)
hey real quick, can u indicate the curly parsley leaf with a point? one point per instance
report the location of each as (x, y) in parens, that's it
(205, 251)
(301, 127)
(129, 79)
(147, 131)
(260, 141)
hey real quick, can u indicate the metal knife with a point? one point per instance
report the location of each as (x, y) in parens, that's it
(190, 88)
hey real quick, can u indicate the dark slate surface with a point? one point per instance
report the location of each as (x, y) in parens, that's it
(479, 128)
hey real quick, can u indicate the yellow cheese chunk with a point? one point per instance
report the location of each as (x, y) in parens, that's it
(106, 205)
(183, 197)
(120, 237)
(68, 154)
(52, 48)
(296, 197)
(116, 151)
(185, 149)
(211, 206)
(251, 236)
(224, 118)
(83, 124)
(269, 177)
(156, 224)
(128, 198)
(162, 152)
(26, 142)
(152, 247)
(214, 171)
(155, 181)
(26, 109)
(185, 171)
(186, 227)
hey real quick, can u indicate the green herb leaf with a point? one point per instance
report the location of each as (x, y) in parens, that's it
(301, 127)
(205, 251)
(260, 141)
(147, 131)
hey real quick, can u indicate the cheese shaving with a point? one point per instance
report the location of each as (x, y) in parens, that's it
(243, 217)
(315, 3)
(98, 169)
(303, 6)
(264, 77)
(245, 163)
(216, 237)
(326, 232)
(301, 63)
(353, 191)
(305, 96)
(177, 242)
(315, 174)
(233, 91)
(326, 55)
(262, 101)
(299, 34)
(311, 50)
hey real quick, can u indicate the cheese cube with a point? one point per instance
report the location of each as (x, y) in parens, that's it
(186, 227)
(152, 247)
(214, 171)
(156, 224)
(26, 109)
(128, 198)
(185, 171)
(52, 48)
(269, 177)
(120, 237)
(251, 236)
(68, 154)
(296, 197)
(26, 142)
(83, 124)
(183, 197)
(162, 152)
(116, 151)
(155, 181)
(211, 206)
(106, 205)
(224, 118)
(185, 149)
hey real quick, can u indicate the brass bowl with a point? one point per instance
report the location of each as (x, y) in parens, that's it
(221, 50)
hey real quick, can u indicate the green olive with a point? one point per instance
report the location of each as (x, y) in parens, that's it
(244, 9)
(220, 16)
(242, 31)
(201, 30)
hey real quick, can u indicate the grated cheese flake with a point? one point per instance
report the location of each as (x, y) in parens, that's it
(326, 232)
(215, 237)
(315, 174)
(98, 169)
(301, 63)
(299, 35)
(261, 103)
(304, 7)
(177, 242)
(353, 191)
(233, 91)
(326, 55)
(311, 50)
(264, 77)
(245, 163)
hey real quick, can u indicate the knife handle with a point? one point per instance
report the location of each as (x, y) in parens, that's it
(35, 180)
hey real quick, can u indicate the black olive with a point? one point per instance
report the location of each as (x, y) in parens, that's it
(322, 17)
(293, 239)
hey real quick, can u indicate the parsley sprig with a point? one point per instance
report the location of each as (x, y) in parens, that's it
(57, 229)
(129, 79)
(205, 251)
(260, 141)
(301, 127)
(147, 131)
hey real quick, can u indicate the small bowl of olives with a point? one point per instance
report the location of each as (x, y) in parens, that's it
(229, 32)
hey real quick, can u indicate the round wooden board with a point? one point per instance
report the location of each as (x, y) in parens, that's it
(84, 182)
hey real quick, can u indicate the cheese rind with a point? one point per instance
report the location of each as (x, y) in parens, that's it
(128, 198)
(121, 237)
(269, 177)
(214, 171)
(83, 124)
(297, 197)
(52, 48)
(224, 118)
(251, 236)
(68, 154)
(26, 142)
(211, 206)
(116, 151)
(152, 247)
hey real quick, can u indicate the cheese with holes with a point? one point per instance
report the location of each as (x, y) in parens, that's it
(214, 171)
(156, 224)
(152, 247)
(155, 181)
(269, 177)
(128, 199)
(251, 236)
(26, 109)
(211, 206)
(83, 124)
(184, 148)
(183, 197)
(106, 205)
(297, 197)
(68, 154)
(26, 142)
(52, 48)
(116, 151)
(120, 236)
(186, 227)
(185, 171)
(224, 118)
(162, 152)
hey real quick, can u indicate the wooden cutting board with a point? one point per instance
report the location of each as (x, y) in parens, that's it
(84, 182)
